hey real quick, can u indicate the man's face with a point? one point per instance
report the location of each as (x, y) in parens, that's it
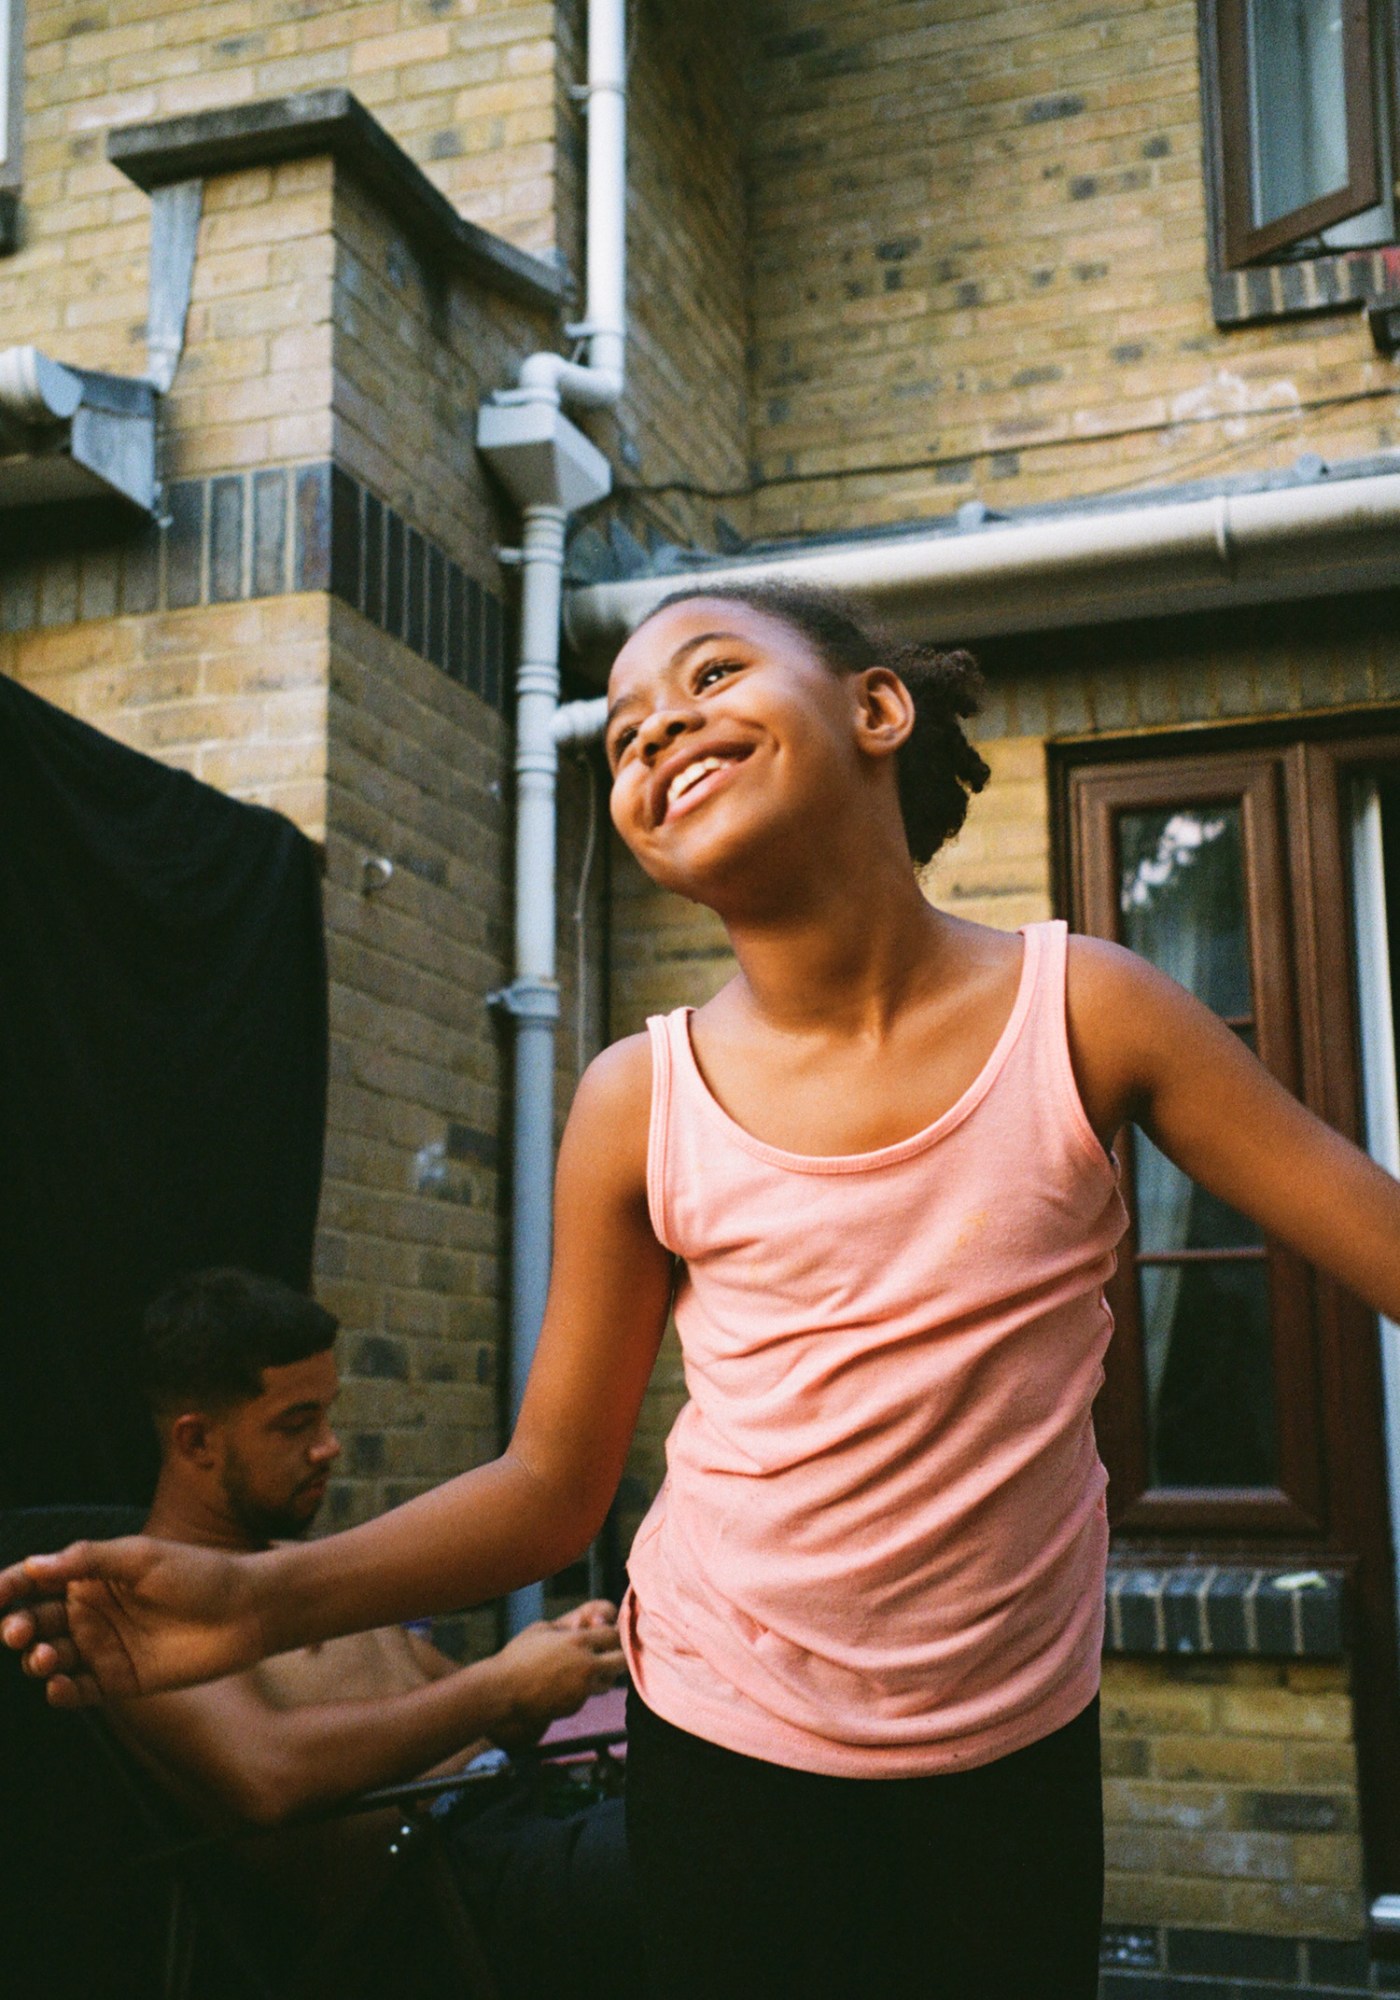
(276, 1452)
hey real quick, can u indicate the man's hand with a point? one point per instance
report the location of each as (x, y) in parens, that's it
(552, 1668)
(129, 1617)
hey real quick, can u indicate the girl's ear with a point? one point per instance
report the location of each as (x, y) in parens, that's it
(884, 711)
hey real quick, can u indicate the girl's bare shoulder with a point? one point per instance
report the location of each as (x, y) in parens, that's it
(619, 1078)
(1129, 1026)
(611, 1114)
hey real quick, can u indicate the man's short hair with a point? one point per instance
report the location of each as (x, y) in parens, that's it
(206, 1341)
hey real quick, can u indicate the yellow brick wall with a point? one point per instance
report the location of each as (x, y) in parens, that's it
(414, 357)
(254, 383)
(410, 1246)
(979, 252)
(1230, 1797)
(685, 414)
(468, 92)
(234, 693)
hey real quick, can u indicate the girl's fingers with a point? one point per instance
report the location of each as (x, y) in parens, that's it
(18, 1630)
(46, 1620)
(73, 1691)
(50, 1656)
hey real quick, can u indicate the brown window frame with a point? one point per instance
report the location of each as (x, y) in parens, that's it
(1225, 93)
(1098, 796)
(1314, 760)
(11, 91)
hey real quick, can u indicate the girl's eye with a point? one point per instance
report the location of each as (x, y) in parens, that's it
(714, 670)
(620, 742)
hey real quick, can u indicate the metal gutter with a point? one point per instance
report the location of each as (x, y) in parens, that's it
(74, 433)
(1140, 560)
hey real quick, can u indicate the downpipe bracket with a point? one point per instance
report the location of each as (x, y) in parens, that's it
(527, 1000)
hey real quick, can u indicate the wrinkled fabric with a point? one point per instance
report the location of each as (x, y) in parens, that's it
(879, 1548)
(162, 1078)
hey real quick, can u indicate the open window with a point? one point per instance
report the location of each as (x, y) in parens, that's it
(1298, 115)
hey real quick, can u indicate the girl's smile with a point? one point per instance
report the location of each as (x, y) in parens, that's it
(687, 778)
(742, 764)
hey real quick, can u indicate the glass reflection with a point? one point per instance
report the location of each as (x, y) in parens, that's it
(1297, 104)
(1205, 1324)
(1182, 898)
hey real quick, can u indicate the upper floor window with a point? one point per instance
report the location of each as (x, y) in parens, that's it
(11, 89)
(1298, 115)
(11, 111)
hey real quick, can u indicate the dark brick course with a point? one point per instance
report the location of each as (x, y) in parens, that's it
(1166, 1964)
(227, 538)
(1225, 1612)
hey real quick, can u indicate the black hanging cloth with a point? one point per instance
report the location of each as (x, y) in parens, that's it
(162, 1077)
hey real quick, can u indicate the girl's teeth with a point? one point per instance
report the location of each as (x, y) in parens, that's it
(691, 775)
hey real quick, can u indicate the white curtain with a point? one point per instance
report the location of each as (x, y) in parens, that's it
(1176, 895)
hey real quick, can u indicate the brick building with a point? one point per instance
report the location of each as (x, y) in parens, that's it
(1025, 321)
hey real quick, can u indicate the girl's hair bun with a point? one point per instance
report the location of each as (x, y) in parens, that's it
(938, 768)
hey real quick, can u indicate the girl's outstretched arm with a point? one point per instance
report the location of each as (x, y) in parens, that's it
(1147, 1051)
(138, 1615)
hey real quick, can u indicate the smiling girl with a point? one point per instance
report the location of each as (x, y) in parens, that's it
(872, 1176)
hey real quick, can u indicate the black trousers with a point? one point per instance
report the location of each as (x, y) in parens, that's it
(551, 1893)
(759, 1883)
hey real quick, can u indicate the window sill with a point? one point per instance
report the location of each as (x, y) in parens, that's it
(1312, 285)
(1189, 1610)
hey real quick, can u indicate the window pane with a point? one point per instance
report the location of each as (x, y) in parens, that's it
(1207, 1346)
(7, 44)
(1210, 1379)
(1296, 62)
(1182, 900)
(1174, 1214)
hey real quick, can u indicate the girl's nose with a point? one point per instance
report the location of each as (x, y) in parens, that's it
(660, 730)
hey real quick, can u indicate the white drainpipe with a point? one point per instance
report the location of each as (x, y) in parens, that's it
(551, 469)
(1140, 560)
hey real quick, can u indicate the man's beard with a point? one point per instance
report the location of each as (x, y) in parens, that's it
(259, 1522)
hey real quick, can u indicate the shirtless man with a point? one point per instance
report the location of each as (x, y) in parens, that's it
(240, 1378)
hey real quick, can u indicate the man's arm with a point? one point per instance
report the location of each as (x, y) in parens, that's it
(231, 1745)
(1148, 1052)
(137, 1616)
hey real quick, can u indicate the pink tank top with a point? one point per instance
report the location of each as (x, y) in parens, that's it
(879, 1547)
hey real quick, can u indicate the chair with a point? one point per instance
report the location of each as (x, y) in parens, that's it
(115, 1893)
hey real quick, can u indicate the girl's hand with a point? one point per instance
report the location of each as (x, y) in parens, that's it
(140, 1616)
(130, 1617)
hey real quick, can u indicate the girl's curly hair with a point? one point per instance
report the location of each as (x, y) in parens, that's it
(938, 769)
